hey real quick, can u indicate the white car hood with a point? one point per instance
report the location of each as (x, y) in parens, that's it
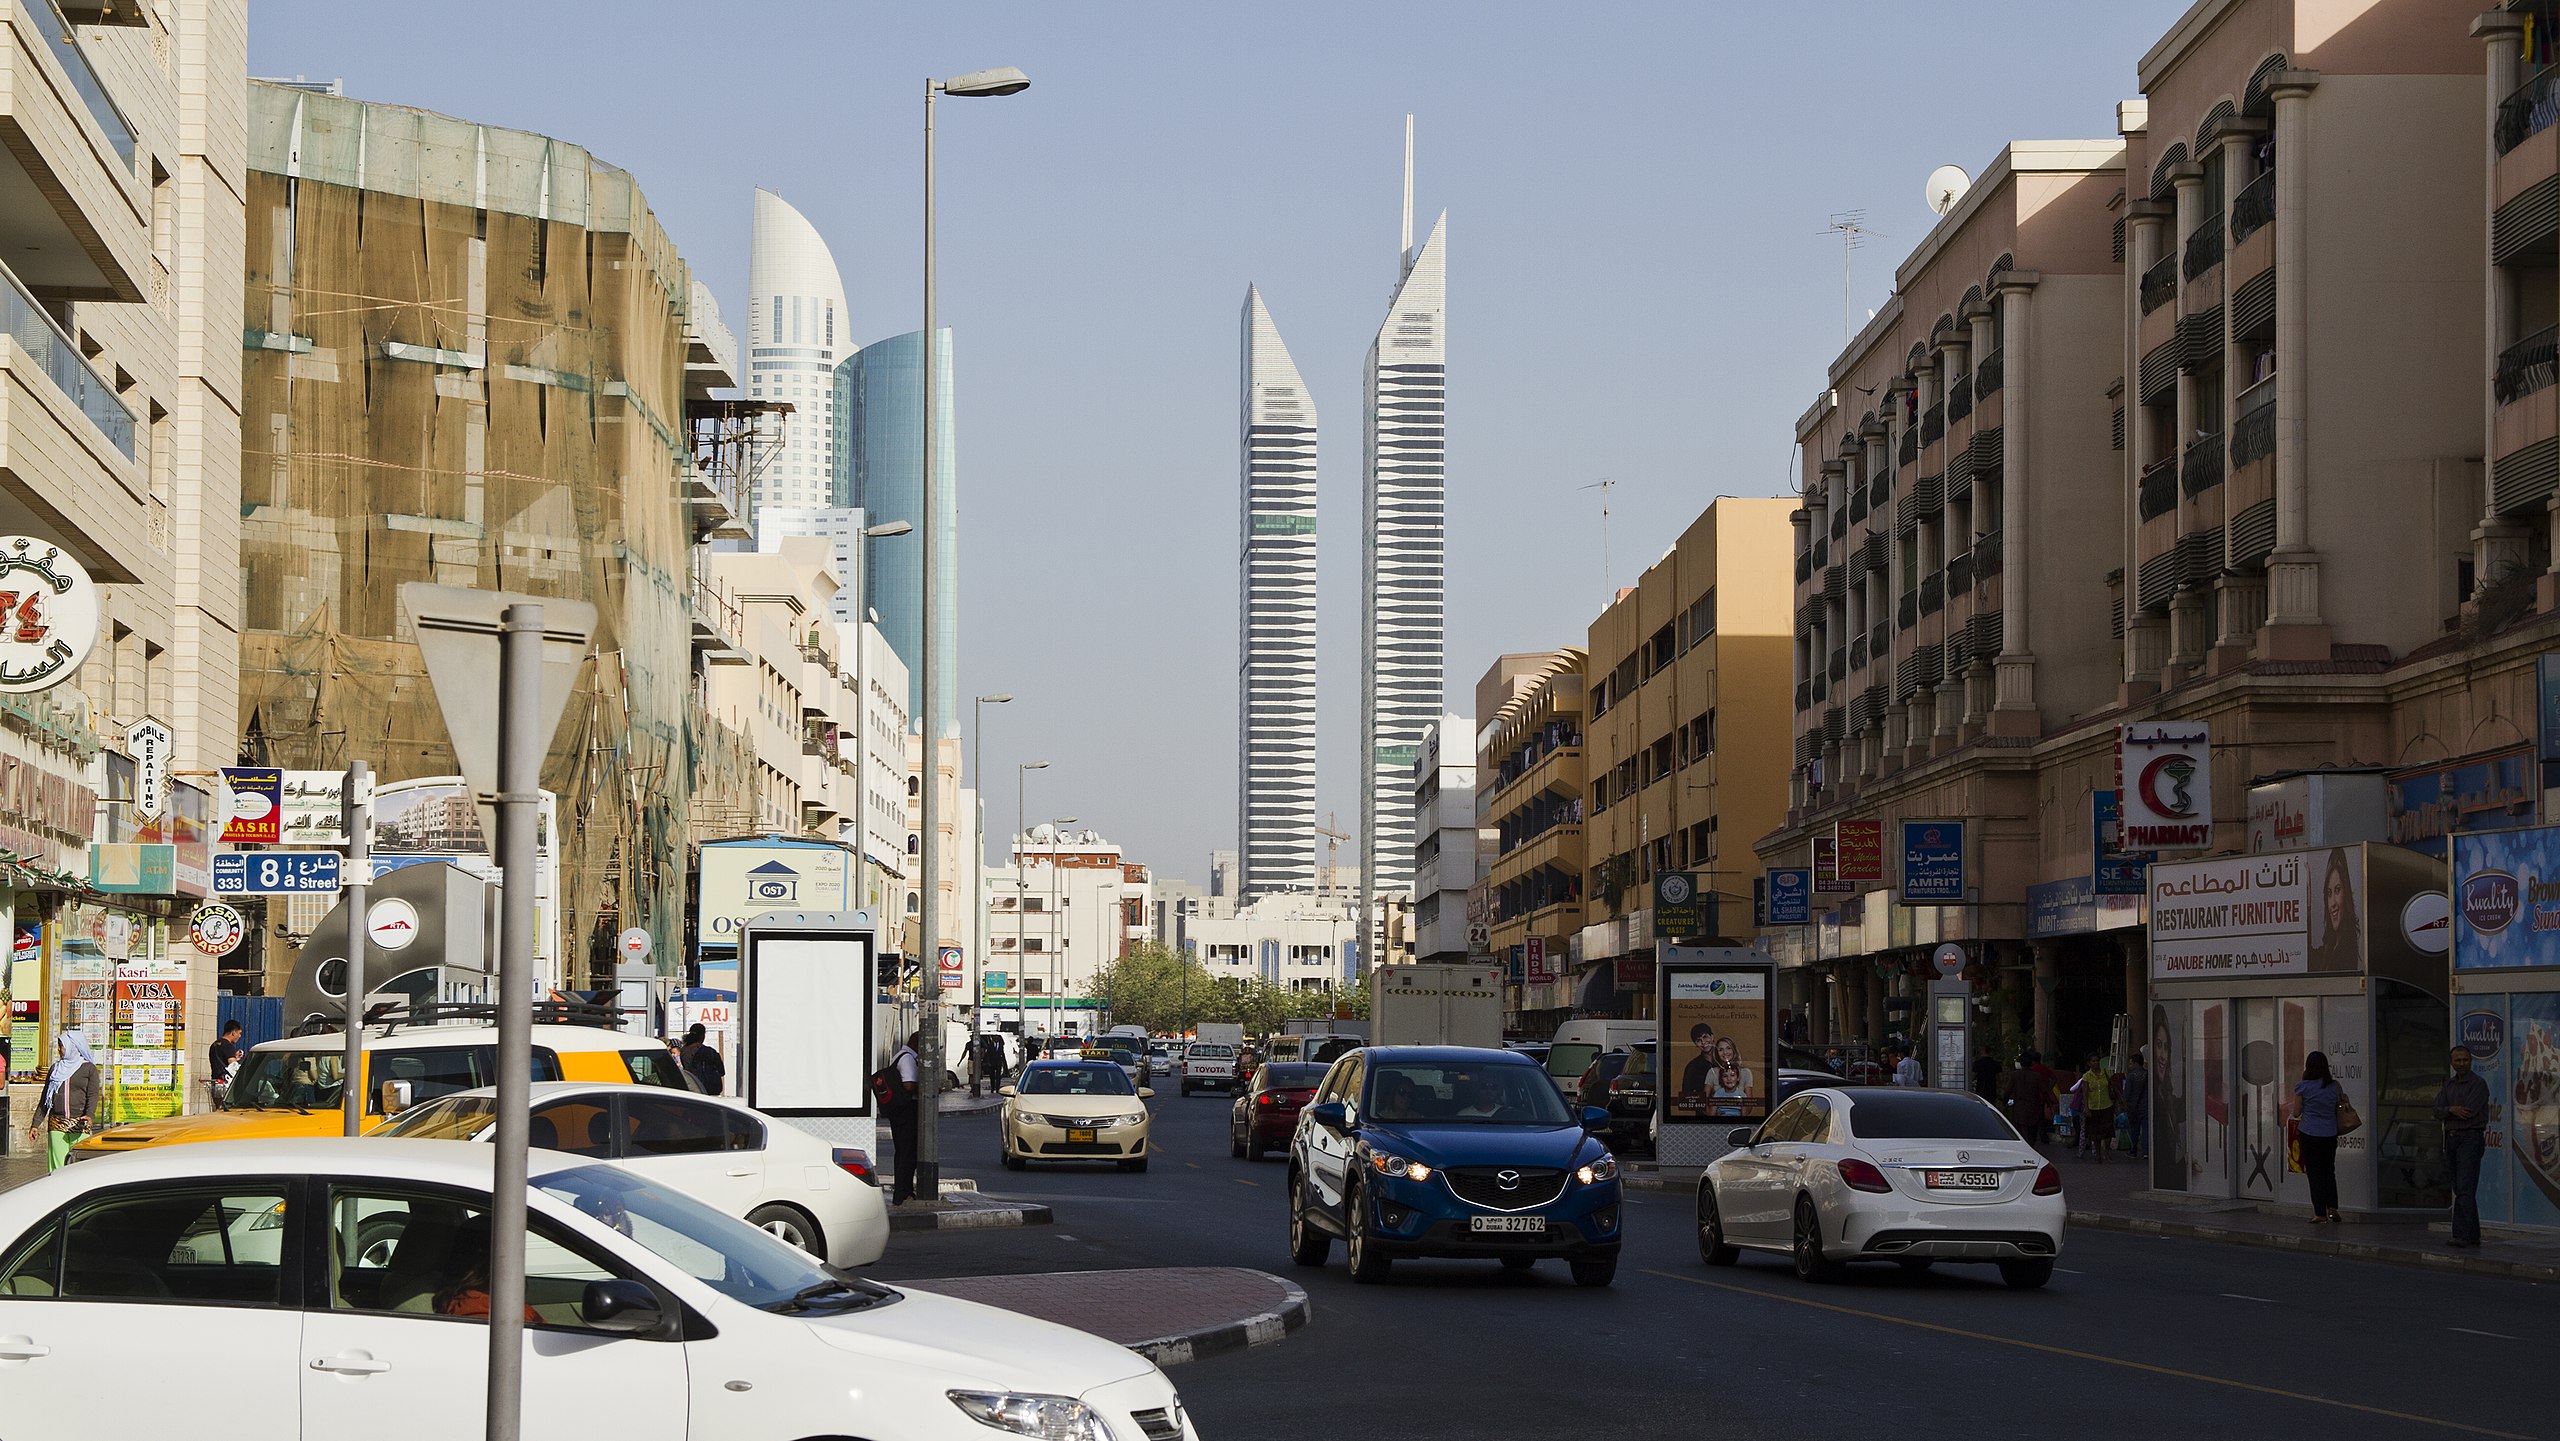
(981, 1345)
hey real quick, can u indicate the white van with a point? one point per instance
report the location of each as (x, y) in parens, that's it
(1579, 1043)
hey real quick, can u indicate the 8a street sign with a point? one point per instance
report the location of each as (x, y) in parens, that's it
(275, 873)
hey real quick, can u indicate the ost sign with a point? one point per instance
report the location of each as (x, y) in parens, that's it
(48, 615)
(2164, 772)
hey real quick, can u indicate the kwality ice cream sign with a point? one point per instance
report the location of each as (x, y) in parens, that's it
(2164, 772)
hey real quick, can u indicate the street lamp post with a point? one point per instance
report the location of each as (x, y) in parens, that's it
(1021, 1013)
(1004, 80)
(1057, 928)
(977, 743)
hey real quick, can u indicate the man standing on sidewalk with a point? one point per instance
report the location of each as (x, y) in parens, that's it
(2462, 1104)
(895, 1090)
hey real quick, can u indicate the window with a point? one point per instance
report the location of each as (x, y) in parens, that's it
(1926, 1115)
(441, 1071)
(427, 1254)
(174, 1244)
(655, 1068)
(668, 1126)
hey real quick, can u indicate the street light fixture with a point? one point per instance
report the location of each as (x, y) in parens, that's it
(1004, 80)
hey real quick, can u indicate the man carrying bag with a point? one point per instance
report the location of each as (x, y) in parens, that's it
(893, 1093)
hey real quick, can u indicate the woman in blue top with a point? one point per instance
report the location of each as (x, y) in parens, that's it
(2315, 1101)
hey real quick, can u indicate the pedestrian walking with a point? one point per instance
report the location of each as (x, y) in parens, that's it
(893, 1089)
(2315, 1133)
(2097, 1110)
(218, 1060)
(2133, 1101)
(1906, 1071)
(2462, 1104)
(2028, 1099)
(702, 1060)
(68, 1108)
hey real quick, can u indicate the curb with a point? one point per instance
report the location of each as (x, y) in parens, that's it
(1272, 1325)
(975, 1216)
(2320, 1246)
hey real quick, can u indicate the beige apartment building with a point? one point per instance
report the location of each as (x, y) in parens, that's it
(121, 223)
(1529, 794)
(1685, 742)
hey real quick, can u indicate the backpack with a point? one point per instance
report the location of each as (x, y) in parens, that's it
(888, 1092)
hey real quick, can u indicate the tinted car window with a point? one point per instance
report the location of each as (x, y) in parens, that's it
(655, 1068)
(1290, 1076)
(1465, 1093)
(191, 1243)
(1782, 1125)
(1926, 1115)
(665, 1126)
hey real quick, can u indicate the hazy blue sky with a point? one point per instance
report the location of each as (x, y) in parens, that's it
(1640, 283)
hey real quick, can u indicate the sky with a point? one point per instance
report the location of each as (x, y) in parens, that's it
(1642, 287)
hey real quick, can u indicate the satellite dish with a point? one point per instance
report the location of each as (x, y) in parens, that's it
(1947, 185)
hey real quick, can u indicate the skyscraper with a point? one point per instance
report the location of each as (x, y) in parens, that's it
(1405, 435)
(1276, 621)
(880, 471)
(798, 330)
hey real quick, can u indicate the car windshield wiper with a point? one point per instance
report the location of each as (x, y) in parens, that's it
(857, 1295)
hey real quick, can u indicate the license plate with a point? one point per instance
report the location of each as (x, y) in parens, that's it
(1963, 1180)
(1084, 1134)
(1533, 1225)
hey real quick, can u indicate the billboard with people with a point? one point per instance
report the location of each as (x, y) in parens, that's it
(1718, 1044)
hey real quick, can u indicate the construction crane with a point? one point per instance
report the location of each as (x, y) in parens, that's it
(1333, 840)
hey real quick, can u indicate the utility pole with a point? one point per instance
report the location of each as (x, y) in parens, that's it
(355, 808)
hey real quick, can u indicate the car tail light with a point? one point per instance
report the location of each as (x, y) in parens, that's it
(1267, 1099)
(1860, 1176)
(2048, 1182)
(856, 1164)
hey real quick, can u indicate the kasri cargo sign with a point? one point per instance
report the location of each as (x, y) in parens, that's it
(2164, 772)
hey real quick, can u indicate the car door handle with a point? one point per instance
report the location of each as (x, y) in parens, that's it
(19, 1348)
(350, 1365)
(742, 1170)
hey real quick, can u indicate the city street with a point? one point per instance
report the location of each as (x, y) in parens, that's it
(2137, 1337)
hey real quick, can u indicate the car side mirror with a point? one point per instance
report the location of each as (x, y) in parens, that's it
(1738, 1136)
(1332, 1115)
(1594, 1118)
(1146, 1093)
(621, 1308)
(1007, 1091)
(397, 1096)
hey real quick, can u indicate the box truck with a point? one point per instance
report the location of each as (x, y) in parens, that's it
(1436, 1005)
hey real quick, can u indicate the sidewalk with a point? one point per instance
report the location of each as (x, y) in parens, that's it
(1169, 1315)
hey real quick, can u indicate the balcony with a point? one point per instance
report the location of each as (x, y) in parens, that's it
(53, 352)
(2527, 365)
(1933, 593)
(1986, 376)
(1960, 575)
(2528, 110)
(2201, 470)
(1910, 451)
(1986, 555)
(1839, 668)
(2160, 284)
(2254, 208)
(1804, 695)
(1879, 639)
(1858, 653)
(1804, 566)
(719, 627)
(2159, 493)
(1933, 425)
(77, 222)
(1960, 398)
(2253, 430)
(2204, 247)
(1906, 613)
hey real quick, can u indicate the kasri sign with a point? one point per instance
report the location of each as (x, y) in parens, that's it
(2164, 772)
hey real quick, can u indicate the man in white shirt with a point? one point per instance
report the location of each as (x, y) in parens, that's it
(1906, 1072)
(900, 1111)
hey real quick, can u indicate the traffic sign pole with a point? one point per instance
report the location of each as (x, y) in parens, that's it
(357, 806)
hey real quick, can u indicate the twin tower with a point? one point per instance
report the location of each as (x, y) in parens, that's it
(1404, 452)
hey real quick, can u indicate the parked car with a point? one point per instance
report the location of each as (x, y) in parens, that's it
(1622, 1084)
(1209, 1064)
(1450, 1151)
(642, 1298)
(1265, 1113)
(769, 1173)
(1073, 1110)
(1839, 1175)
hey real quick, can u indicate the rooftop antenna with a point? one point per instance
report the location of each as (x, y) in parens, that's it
(1404, 252)
(1853, 228)
(1608, 576)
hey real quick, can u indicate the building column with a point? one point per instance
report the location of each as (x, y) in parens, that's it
(2048, 979)
(2190, 627)
(2146, 637)
(1875, 1000)
(2499, 545)
(2295, 629)
(2239, 601)
(2137, 994)
(2013, 711)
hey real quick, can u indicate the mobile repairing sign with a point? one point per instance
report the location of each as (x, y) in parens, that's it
(2164, 775)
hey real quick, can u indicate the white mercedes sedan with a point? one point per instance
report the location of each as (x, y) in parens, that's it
(1878, 1173)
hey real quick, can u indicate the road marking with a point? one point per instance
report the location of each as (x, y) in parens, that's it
(2067, 1271)
(1061, 1235)
(2492, 1335)
(2236, 1296)
(2052, 1350)
(1241, 1181)
(1194, 1165)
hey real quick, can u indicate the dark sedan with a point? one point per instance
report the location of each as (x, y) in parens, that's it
(1266, 1111)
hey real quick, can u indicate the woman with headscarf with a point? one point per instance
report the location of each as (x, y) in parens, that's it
(69, 1106)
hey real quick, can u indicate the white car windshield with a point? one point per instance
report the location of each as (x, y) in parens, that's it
(733, 1258)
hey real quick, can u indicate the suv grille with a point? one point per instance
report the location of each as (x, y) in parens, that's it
(1157, 1425)
(1483, 1186)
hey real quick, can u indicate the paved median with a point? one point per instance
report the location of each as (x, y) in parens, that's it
(1168, 1314)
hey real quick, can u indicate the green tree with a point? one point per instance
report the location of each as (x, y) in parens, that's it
(1167, 992)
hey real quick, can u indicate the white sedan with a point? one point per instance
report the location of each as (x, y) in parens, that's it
(653, 1316)
(1872, 1173)
(769, 1173)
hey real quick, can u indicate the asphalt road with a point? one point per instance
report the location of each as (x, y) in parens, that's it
(2136, 1337)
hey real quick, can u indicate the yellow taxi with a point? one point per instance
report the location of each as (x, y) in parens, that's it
(293, 1087)
(1074, 1110)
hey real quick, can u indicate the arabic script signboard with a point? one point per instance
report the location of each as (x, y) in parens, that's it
(48, 615)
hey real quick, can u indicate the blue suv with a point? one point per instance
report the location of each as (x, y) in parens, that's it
(1450, 1151)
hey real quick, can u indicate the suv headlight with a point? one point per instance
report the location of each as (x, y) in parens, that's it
(1398, 1166)
(1048, 1418)
(1604, 1169)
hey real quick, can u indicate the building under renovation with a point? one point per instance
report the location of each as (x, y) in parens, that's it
(469, 352)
